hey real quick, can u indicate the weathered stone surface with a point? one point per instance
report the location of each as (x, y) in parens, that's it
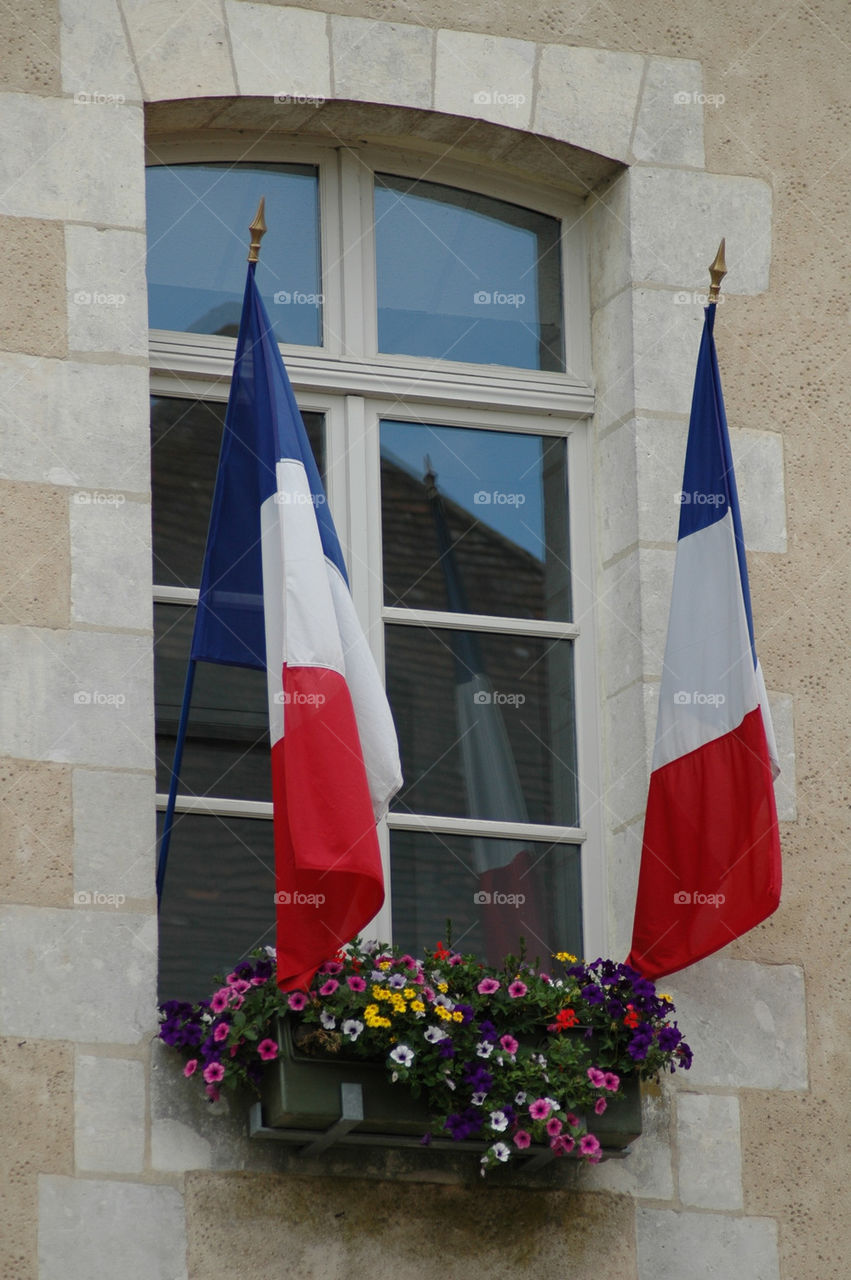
(95, 56)
(82, 1223)
(745, 1022)
(180, 53)
(646, 1172)
(484, 77)
(709, 1151)
(106, 290)
(669, 127)
(107, 860)
(705, 1246)
(109, 1113)
(111, 562)
(35, 567)
(279, 52)
(381, 61)
(71, 959)
(328, 1228)
(32, 302)
(29, 48)
(588, 97)
(36, 833)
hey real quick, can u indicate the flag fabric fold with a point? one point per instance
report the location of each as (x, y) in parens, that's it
(275, 596)
(710, 860)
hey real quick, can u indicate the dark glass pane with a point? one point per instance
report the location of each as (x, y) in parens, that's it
(226, 751)
(465, 277)
(186, 436)
(218, 902)
(495, 892)
(484, 530)
(198, 216)
(486, 724)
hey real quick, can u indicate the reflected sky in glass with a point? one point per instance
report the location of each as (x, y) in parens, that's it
(464, 277)
(198, 217)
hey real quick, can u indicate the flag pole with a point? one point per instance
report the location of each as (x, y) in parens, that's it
(717, 272)
(258, 229)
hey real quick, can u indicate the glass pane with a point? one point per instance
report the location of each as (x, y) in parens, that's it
(198, 216)
(495, 892)
(465, 277)
(186, 436)
(475, 521)
(486, 724)
(218, 901)
(226, 752)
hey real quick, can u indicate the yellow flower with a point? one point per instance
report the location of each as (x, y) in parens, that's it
(457, 1015)
(442, 1013)
(443, 987)
(382, 1022)
(384, 964)
(370, 1011)
(417, 1006)
(566, 957)
(409, 993)
(663, 995)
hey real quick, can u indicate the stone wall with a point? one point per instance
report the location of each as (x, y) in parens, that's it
(720, 121)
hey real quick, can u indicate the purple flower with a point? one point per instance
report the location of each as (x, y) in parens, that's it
(592, 994)
(487, 1031)
(467, 1011)
(446, 1049)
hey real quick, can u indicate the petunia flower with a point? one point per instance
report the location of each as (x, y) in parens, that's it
(484, 1049)
(355, 982)
(501, 1151)
(499, 1121)
(328, 1020)
(517, 989)
(191, 1067)
(540, 1109)
(509, 1044)
(267, 1049)
(487, 986)
(352, 1028)
(296, 1001)
(214, 1072)
(402, 1055)
(554, 1126)
(220, 1000)
(328, 988)
(597, 1077)
(589, 1145)
(600, 1106)
(612, 1081)
(221, 1031)
(522, 1139)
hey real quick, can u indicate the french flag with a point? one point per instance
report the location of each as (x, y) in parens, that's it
(710, 861)
(275, 596)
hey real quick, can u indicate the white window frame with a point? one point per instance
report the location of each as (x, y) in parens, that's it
(354, 386)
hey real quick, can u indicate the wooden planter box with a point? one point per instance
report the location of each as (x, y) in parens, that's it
(304, 1095)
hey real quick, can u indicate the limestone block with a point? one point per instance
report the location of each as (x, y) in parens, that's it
(71, 960)
(81, 696)
(588, 97)
(107, 299)
(111, 562)
(52, 161)
(646, 1172)
(626, 771)
(486, 77)
(617, 490)
(666, 337)
(619, 616)
(675, 217)
(669, 126)
(81, 1223)
(29, 48)
(746, 1023)
(87, 425)
(782, 717)
(705, 1246)
(609, 254)
(180, 52)
(613, 343)
(32, 266)
(709, 1151)
(35, 833)
(280, 52)
(624, 858)
(95, 56)
(35, 566)
(109, 1115)
(382, 61)
(758, 461)
(108, 858)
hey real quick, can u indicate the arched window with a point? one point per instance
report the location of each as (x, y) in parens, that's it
(434, 324)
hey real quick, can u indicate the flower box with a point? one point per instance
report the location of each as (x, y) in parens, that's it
(302, 1091)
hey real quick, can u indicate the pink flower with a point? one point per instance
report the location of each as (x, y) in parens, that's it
(589, 1145)
(240, 986)
(296, 1001)
(236, 1001)
(259, 982)
(572, 1120)
(330, 966)
(522, 1139)
(600, 1106)
(191, 1067)
(220, 999)
(234, 1049)
(540, 1109)
(232, 978)
(456, 959)
(328, 988)
(487, 986)
(408, 961)
(597, 1077)
(517, 989)
(554, 1127)
(356, 983)
(212, 1093)
(562, 1145)
(220, 1032)
(214, 1072)
(509, 1044)
(267, 1050)
(612, 1081)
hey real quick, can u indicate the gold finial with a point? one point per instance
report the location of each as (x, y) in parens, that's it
(717, 272)
(258, 230)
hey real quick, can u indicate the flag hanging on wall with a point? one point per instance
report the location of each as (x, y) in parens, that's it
(710, 860)
(275, 596)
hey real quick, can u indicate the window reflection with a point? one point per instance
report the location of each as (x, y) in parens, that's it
(462, 276)
(474, 521)
(198, 216)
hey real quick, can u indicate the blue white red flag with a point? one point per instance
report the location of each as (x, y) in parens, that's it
(710, 861)
(275, 596)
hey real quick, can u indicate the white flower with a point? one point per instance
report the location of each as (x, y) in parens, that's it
(271, 953)
(403, 1055)
(520, 1099)
(328, 1020)
(501, 1151)
(484, 1049)
(352, 1028)
(554, 1104)
(450, 1084)
(396, 981)
(378, 975)
(434, 1034)
(499, 1121)
(206, 1017)
(444, 1000)
(478, 1099)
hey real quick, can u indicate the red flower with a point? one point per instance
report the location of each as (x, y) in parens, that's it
(633, 1018)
